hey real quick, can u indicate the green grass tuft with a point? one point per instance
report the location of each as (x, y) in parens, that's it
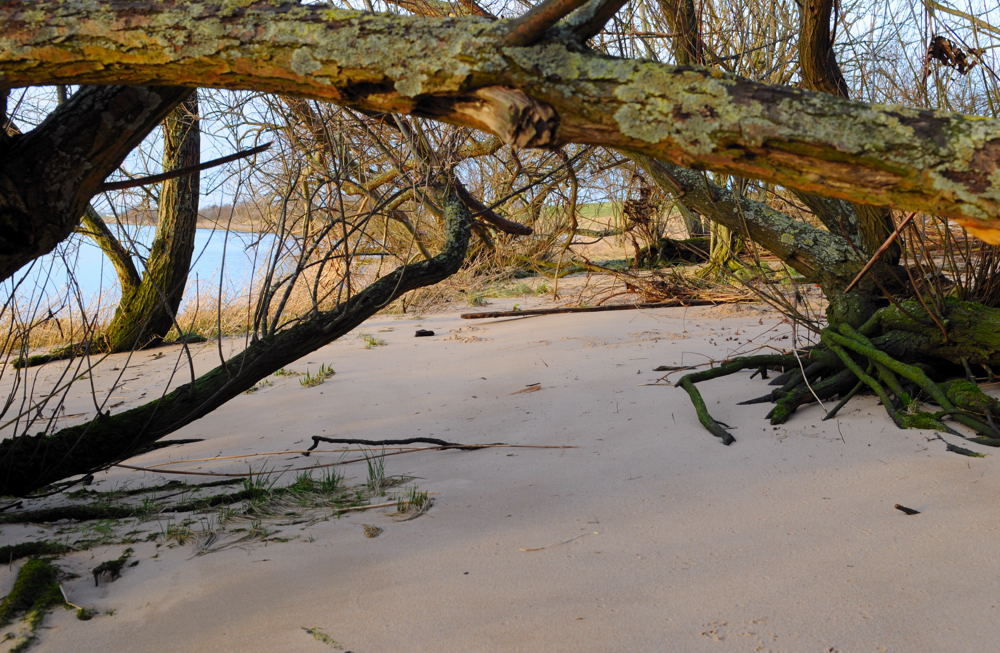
(310, 380)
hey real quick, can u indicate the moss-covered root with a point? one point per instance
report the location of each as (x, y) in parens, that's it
(960, 400)
(74, 350)
(35, 592)
(718, 429)
(688, 381)
(12, 552)
(808, 392)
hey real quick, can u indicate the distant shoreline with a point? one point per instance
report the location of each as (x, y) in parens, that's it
(203, 223)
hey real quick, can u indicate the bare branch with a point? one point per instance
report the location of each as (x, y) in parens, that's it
(180, 172)
(592, 18)
(529, 27)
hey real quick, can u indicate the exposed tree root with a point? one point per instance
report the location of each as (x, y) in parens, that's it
(760, 363)
(922, 378)
(12, 552)
(87, 512)
(97, 346)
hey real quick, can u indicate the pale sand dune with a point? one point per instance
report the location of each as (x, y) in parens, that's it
(786, 541)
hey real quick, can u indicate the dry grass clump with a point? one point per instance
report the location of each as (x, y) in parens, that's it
(23, 331)
(318, 268)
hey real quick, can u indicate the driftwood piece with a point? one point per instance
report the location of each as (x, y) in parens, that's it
(388, 443)
(591, 309)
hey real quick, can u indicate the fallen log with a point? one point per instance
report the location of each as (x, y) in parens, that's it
(593, 309)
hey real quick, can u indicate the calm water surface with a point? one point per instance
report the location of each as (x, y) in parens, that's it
(226, 260)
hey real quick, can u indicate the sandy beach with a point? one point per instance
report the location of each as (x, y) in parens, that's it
(646, 535)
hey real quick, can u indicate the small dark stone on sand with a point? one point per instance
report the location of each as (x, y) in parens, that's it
(423, 332)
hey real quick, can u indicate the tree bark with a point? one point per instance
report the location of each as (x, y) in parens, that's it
(55, 169)
(871, 225)
(688, 46)
(820, 256)
(93, 225)
(936, 162)
(148, 310)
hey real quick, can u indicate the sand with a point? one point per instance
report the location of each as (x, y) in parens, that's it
(649, 535)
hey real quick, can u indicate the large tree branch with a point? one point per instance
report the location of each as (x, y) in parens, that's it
(920, 160)
(30, 462)
(48, 175)
(819, 255)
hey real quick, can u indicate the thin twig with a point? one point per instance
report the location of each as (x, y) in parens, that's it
(881, 250)
(180, 172)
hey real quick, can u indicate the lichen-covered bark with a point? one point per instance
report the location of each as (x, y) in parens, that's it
(147, 311)
(31, 462)
(941, 163)
(820, 256)
(823, 257)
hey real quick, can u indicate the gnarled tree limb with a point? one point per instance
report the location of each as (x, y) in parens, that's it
(919, 160)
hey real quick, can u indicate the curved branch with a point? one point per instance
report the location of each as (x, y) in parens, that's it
(111, 438)
(93, 225)
(820, 71)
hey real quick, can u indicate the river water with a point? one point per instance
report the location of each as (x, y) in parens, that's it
(77, 274)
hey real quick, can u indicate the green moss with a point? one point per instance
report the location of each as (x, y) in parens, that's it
(20, 550)
(35, 592)
(111, 570)
(920, 421)
(966, 394)
(322, 637)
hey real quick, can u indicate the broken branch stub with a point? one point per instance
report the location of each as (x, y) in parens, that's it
(518, 119)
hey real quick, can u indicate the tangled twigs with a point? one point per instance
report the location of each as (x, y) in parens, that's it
(963, 411)
(848, 360)
(384, 443)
